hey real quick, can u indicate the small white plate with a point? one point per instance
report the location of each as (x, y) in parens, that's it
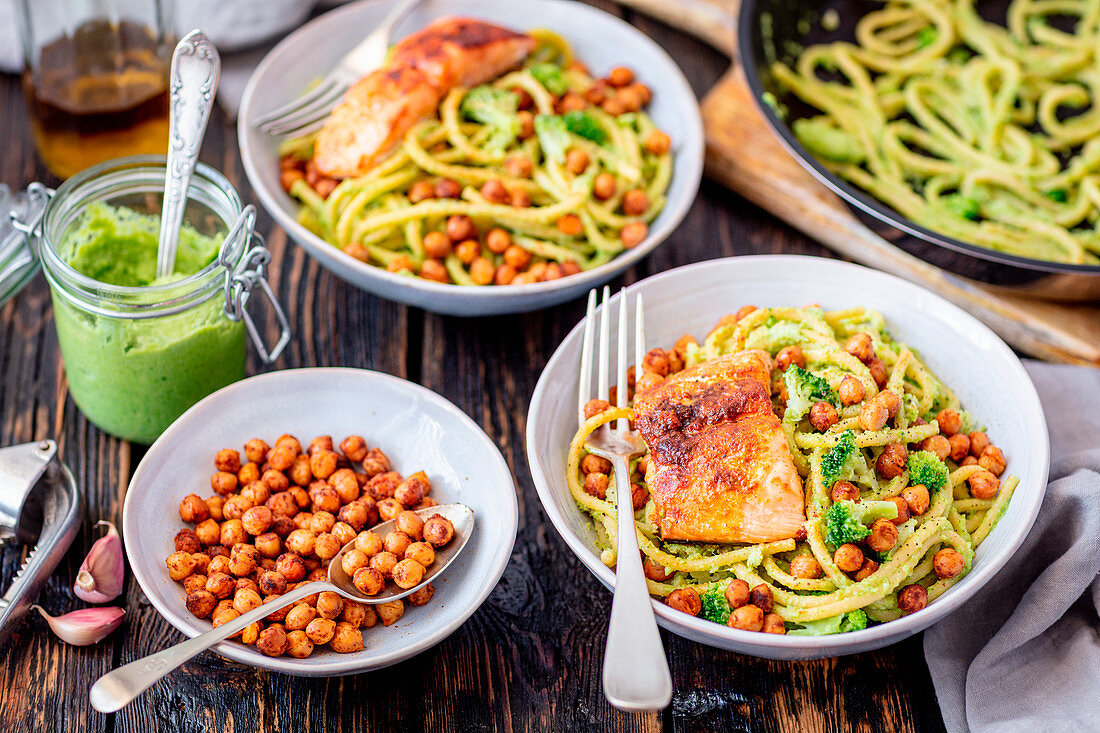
(415, 427)
(966, 355)
(600, 40)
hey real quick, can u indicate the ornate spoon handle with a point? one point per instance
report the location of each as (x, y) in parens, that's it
(193, 81)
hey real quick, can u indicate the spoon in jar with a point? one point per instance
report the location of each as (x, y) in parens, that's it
(118, 688)
(193, 81)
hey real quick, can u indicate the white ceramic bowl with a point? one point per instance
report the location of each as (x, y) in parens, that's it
(600, 40)
(415, 427)
(983, 371)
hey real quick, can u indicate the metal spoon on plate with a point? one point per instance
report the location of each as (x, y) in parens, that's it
(118, 688)
(193, 82)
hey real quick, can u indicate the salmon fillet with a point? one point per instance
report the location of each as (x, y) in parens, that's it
(380, 108)
(720, 468)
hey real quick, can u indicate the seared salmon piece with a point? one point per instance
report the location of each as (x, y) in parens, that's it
(380, 108)
(720, 468)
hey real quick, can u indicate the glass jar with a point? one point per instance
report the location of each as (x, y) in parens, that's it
(96, 78)
(137, 357)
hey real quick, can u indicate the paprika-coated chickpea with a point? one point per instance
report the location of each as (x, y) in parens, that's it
(282, 504)
(936, 444)
(866, 570)
(359, 513)
(279, 614)
(448, 189)
(326, 546)
(806, 567)
(228, 460)
(639, 496)
(421, 191)
(960, 446)
(979, 441)
(633, 233)
(593, 463)
(329, 604)
(256, 450)
(916, 499)
(903, 510)
(649, 380)
(635, 202)
(272, 641)
(595, 407)
(438, 530)
(655, 571)
(219, 564)
(321, 522)
(354, 559)
(877, 367)
(850, 390)
(325, 498)
(248, 473)
(354, 447)
(891, 462)
(657, 142)
(271, 583)
(202, 562)
(246, 599)
(224, 616)
(343, 532)
(992, 460)
(346, 639)
(410, 523)
(275, 481)
(848, 557)
(686, 600)
(193, 509)
(570, 225)
(460, 227)
(595, 484)
(789, 355)
(761, 597)
(948, 562)
(290, 442)
(983, 484)
(300, 472)
(223, 483)
(236, 506)
(369, 543)
(604, 186)
(232, 533)
(257, 520)
(407, 573)
(256, 491)
(737, 593)
(949, 421)
(187, 541)
(494, 191)
(242, 564)
(969, 461)
(873, 415)
(773, 624)
(517, 257)
(823, 416)
(576, 161)
(269, 545)
(180, 565)
(324, 463)
(656, 361)
(747, 618)
(410, 491)
(384, 563)
(397, 542)
(912, 598)
(359, 614)
(890, 401)
(282, 457)
(193, 583)
(844, 491)
(321, 630)
(247, 583)
(437, 245)
(299, 616)
(884, 535)
(861, 346)
(214, 506)
(291, 566)
(298, 645)
(383, 485)
(221, 585)
(369, 581)
(620, 76)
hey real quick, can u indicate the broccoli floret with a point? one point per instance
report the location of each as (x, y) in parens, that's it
(553, 136)
(1058, 194)
(846, 521)
(842, 623)
(926, 37)
(963, 206)
(715, 606)
(841, 461)
(495, 108)
(585, 125)
(803, 390)
(926, 468)
(551, 77)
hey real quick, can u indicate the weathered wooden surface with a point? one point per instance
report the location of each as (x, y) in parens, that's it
(529, 659)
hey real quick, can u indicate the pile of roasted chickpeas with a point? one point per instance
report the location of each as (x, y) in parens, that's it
(750, 608)
(276, 519)
(488, 254)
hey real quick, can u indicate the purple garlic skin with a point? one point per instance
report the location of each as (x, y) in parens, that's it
(102, 572)
(85, 626)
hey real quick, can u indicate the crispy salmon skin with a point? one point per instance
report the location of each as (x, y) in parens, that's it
(381, 107)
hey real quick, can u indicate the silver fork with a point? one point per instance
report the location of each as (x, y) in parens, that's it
(306, 113)
(635, 671)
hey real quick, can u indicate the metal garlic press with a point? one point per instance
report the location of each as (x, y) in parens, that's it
(39, 505)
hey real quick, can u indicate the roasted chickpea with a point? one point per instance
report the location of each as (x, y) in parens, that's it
(369, 581)
(321, 630)
(193, 509)
(322, 521)
(343, 532)
(686, 600)
(873, 415)
(221, 585)
(194, 582)
(201, 603)
(326, 546)
(280, 613)
(866, 570)
(983, 484)
(992, 460)
(324, 463)
(844, 491)
(214, 506)
(397, 542)
(223, 615)
(969, 461)
(823, 416)
(620, 76)
(383, 562)
(635, 202)
(912, 598)
(960, 447)
(292, 567)
(773, 624)
(657, 142)
(299, 471)
(639, 496)
(249, 473)
(272, 641)
(848, 557)
(246, 599)
(383, 485)
(806, 567)
(407, 573)
(595, 484)
(916, 499)
(789, 355)
(269, 545)
(369, 543)
(282, 457)
(937, 444)
(275, 481)
(979, 441)
(187, 541)
(890, 401)
(410, 491)
(737, 593)
(633, 233)
(850, 390)
(570, 225)
(884, 535)
(519, 166)
(891, 462)
(576, 161)
(949, 422)
(256, 491)
(318, 444)
(223, 483)
(359, 614)
(180, 565)
(329, 604)
(300, 541)
(593, 463)
(282, 504)
(242, 563)
(948, 563)
(236, 506)
(438, 530)
(202, 562)
(448, 188)
(257, 520)
(298, 645)
(410, 523)
(228, 460)
(761, 597)
(747, 618)
(359, 513)
(346, 639)
(324, 498)
(654, 571)
(593, 408)
(299, 616)
(421, 596)
(860, 346)
(421, 191)
(232, 533)
(256, 450)
(604, 186)
(354, 559)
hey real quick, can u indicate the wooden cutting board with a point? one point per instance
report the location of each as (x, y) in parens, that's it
(744, 154)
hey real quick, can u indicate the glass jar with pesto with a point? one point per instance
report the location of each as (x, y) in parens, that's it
(140, 350)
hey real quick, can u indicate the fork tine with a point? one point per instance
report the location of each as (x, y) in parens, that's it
(308, 113)
(583, 393)
(621, 386)
(279, 113)
(605, 346)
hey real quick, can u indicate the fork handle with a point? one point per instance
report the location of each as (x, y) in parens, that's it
(635, 671)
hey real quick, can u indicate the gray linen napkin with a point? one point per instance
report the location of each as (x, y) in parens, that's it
(1024, 653)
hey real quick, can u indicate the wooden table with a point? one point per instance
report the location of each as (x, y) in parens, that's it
(530, 658)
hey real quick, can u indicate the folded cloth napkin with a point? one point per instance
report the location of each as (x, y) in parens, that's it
(1024, 653)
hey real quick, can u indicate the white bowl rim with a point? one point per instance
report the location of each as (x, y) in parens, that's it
(691, 149)
(839, 644)
(342, 666)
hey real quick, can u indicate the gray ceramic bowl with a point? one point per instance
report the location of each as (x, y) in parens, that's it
(417, 429)
(600, 40)
(970, 358)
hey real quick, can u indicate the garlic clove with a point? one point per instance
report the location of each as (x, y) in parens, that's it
(85, 626)
(101, 573)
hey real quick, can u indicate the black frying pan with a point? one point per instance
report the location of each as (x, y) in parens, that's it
(1023, 275)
